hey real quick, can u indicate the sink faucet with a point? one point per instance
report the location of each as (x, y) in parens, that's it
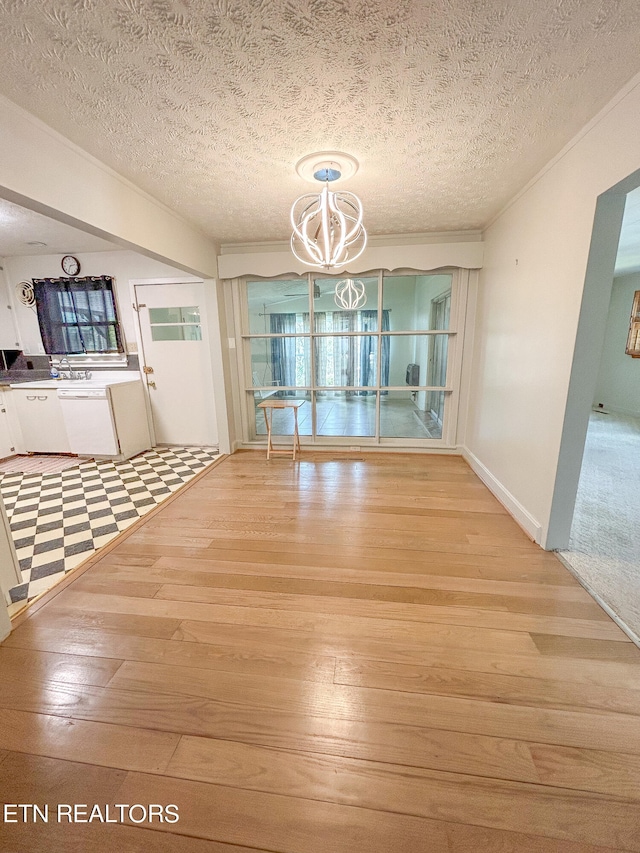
(70, 372)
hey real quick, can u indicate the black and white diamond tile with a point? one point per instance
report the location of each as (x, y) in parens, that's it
(58, 520)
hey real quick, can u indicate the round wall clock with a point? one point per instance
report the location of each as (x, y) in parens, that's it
(70, 265)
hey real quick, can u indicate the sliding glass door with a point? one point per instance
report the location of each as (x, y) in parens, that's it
(371, 356)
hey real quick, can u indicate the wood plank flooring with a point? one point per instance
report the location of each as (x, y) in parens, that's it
(346, 653)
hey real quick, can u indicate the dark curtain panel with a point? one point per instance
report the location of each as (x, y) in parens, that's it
(283, 351)
(340, 360)
(368, 320)
(77, 315)
(386, 348)
(55, 314)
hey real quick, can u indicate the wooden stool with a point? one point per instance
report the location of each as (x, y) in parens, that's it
(267, 407)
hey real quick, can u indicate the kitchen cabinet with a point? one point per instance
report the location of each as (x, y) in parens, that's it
(41, 421)
(108, 421)
(103, 417)
(7, 447)
(10, 574)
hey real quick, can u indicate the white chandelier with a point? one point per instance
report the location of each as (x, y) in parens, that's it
(327, 226)
(350, 294)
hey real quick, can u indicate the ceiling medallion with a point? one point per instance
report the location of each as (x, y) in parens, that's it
(327, 226)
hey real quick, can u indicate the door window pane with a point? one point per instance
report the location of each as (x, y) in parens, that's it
(187, 314)
(411, 414)
(278, 362)
(176, 333)
(330, 312)
(342, 360)
(414, 360)
(278, 306)
(346, 413)
(417, 302)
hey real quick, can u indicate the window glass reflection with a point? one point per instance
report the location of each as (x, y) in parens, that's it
(336, 296)
(415, 359)
(417, 302)
(176, 333)
(280, 362)
(347, 360)
(346, 413)
(282, 419)
(407, 414)
(186, 314)
(278, 307)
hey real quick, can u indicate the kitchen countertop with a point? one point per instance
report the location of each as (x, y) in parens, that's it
(8, 377)
(99, 379)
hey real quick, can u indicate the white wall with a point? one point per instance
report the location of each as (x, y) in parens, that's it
(618, 386)
(122, 266)
(45, 172)
(529, 302)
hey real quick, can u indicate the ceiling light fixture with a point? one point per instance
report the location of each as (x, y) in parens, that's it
(350, 294)
(327, 226)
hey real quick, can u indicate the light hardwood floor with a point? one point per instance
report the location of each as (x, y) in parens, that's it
(338, 655)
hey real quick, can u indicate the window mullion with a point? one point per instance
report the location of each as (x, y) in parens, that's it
(406, 343)
(312, 354)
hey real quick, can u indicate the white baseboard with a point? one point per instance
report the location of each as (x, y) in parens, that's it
(450, 450)
(526, 521)
(630, 413)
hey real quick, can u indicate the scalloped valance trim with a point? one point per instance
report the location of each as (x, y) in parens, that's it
(423, 257)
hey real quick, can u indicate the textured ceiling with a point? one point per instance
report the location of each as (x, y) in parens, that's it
(450, 106)
(20, 227)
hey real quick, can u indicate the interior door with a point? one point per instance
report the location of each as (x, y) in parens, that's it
(177, 362)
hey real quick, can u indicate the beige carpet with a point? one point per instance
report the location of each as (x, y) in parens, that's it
(605, 537)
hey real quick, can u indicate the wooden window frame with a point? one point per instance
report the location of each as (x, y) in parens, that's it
(633, 340)
(451, 391)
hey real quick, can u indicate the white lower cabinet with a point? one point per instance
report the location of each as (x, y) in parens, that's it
(41, 421)
(7, 445)
(10, 574)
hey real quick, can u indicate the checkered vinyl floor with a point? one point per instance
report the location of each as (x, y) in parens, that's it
(58, 520)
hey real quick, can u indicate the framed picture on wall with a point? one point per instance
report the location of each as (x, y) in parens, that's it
(633, 341)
